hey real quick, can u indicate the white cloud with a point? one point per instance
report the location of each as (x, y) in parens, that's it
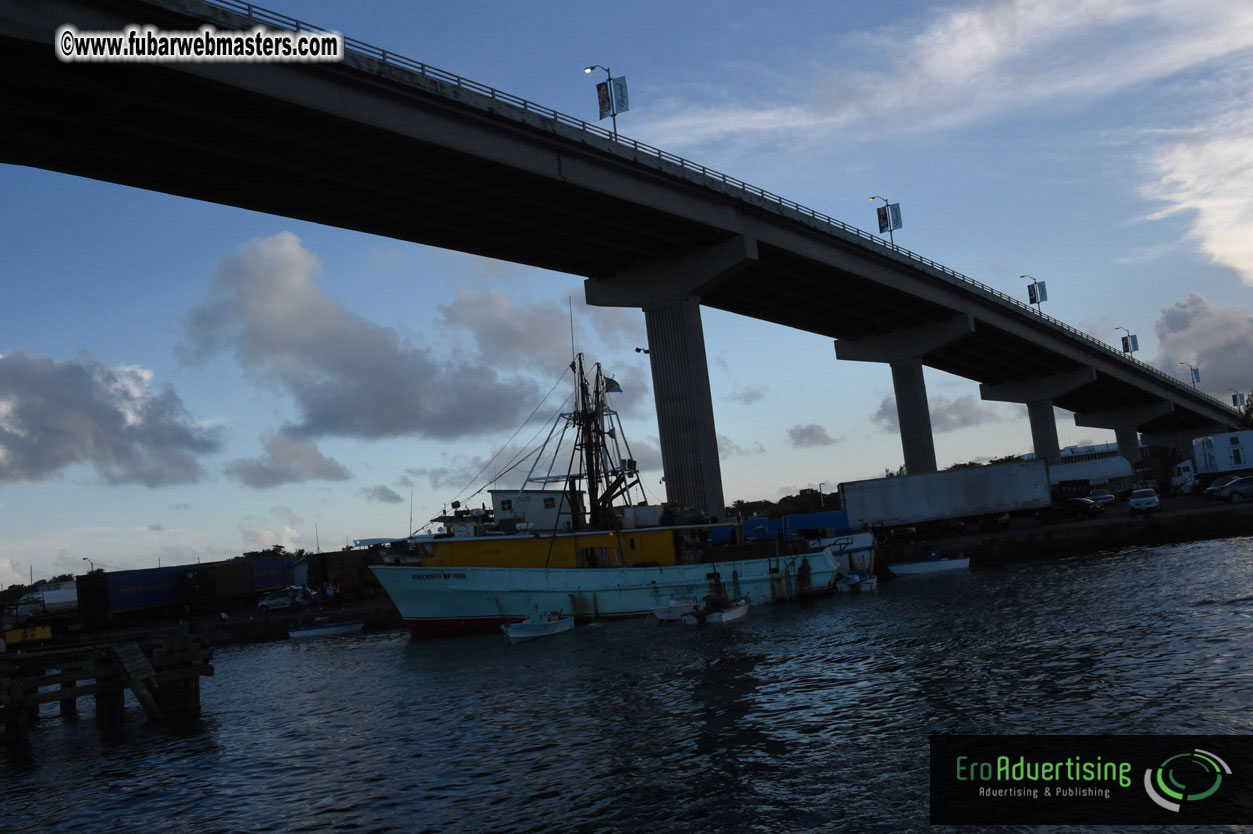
(1208, 176)
(985, 59)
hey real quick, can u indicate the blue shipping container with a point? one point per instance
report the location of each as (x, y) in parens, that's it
(834, 519)
(270, 572)
(133, 590)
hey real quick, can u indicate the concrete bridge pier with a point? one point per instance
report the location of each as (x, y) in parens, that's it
(685, 417)
(1039, 394)
(669, 291)
(1125, 423)
(904, 351)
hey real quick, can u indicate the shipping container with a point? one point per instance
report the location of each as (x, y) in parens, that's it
(214, 585)
(270, 572)
(104, 595)
(952, 494)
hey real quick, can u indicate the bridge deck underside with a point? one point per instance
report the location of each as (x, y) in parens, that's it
(176, 132)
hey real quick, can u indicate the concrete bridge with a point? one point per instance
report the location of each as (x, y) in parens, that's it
(387, 145)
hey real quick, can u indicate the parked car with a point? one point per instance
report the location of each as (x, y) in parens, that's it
(1236, 491)
(1102, 496)
(1144, 501)
(1211, 491)
(1071, 508)
(293, 597)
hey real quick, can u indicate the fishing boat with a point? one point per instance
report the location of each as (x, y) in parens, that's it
(587, 542)
(726, 613)
(323, 627)
(535, 627)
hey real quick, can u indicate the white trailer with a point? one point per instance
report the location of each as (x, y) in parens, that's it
(952, 494)
(1214, 456)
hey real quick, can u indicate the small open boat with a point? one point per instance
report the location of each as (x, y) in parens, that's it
(533, 627)
(323, 627)
(930, 566)
(730, 612)
(676, 609)
(857, 581)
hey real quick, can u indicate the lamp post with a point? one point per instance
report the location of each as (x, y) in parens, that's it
(90, 564)
(1037, 291)
(1129, 341)
(1193, 372)
(886, 202)
(821, 484)
(613, 109)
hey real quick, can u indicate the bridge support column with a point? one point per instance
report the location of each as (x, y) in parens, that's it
(904, 350)
(913, 415)
(1125, 423)
(685, 417)
(1128, 443)
(669, 293)
(1039, 394)
(1044, 430)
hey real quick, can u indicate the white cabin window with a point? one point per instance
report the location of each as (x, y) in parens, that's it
(549, 503)
(506, 505)
(1237, 457)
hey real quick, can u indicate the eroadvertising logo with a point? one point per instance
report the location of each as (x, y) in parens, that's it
(1193, 776)
(1093, 780)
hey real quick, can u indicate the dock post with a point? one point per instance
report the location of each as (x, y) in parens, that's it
(110, 705)
(69, 706)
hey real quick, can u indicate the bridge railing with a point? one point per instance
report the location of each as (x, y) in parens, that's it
(268, 17)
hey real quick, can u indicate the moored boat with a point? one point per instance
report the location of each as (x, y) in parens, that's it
(323, 627)
(856, 582)
(535, 627)
(930, 566)
(726, 613)
(676, 609)
(589, 548)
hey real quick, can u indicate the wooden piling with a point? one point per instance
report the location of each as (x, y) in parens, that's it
(162, 669)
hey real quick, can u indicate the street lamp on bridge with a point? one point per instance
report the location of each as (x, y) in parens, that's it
(1196, 373)
(1036, 292)
(821, 484)
(613, 109)
(1130, 344)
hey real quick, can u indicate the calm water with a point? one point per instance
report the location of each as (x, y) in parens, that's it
(801, 718)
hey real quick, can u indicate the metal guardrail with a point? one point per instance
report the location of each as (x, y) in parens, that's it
(267, 17)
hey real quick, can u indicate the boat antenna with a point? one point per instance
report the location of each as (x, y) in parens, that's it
(570, 304)
(411, 511)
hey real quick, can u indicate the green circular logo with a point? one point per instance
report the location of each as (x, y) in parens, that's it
(1185, 777)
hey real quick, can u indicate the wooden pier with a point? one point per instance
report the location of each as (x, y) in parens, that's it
(162, 669)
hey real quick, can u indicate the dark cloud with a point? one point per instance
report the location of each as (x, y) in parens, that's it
(946, 415)
(747, 395)
(347, 375)
(285, 514)
(537, 334)
(183, 505)
(57, 414)
(809, 435)
(155, 528)
(1216, 340)
(404, 481)
(382, 494)
(287, 460)
(728, 448)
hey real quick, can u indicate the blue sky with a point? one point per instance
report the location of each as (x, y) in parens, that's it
(161, 400)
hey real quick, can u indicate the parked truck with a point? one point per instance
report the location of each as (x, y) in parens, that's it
(1213, 456)
(984, 493)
